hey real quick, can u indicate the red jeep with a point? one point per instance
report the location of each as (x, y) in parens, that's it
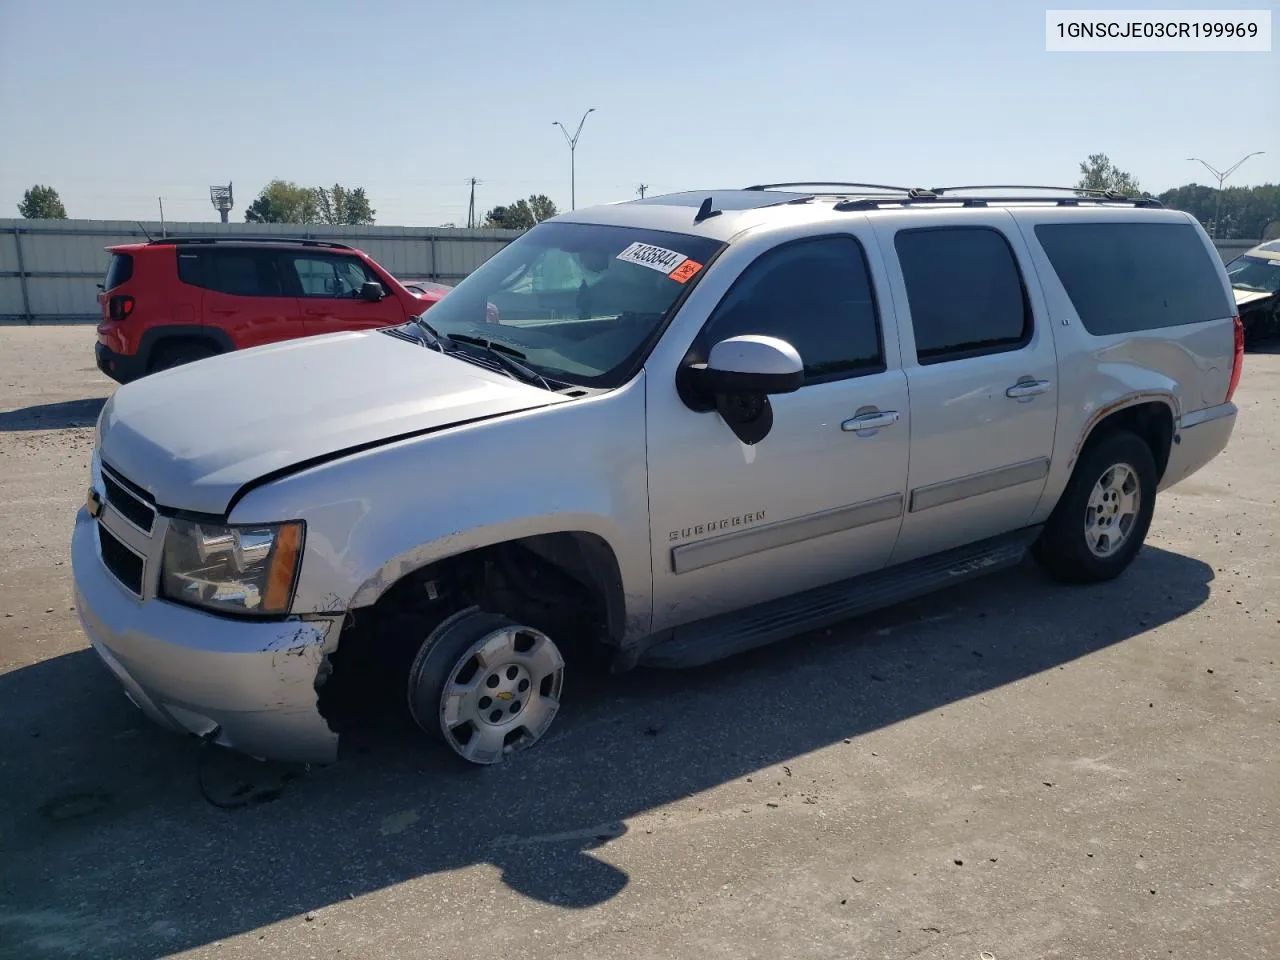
(170, 302)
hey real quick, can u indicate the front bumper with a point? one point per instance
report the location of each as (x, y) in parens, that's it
(1200, 437)
(194, 672)
(120, 367)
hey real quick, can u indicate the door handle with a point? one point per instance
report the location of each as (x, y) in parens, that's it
(1027, 388)
(870, 421)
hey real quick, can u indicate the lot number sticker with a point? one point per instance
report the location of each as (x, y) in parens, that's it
(655, 258)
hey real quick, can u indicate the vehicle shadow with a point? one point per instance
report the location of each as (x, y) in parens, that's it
(53, 416)
(102, 808)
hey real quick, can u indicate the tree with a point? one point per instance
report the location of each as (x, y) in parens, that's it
(1245, 211)
(521, 215)
(283, 201)
(42, 203)
(1097, 173)
(338, 204)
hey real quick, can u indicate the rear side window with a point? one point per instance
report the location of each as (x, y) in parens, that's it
(816, 295)
(1129, 277)
(119, 270)
(243, 273)
(965, 292)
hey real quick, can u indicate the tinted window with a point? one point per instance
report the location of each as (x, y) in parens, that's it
(244, 273)
(816, 295)
(965, 292)
(1124, 277)
(321, 276)
(119, 270)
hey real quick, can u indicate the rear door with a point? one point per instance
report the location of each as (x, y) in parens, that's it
(244, 294)
(328, 285)
(981, 367)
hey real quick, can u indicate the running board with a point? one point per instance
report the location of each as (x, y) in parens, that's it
(712, 639)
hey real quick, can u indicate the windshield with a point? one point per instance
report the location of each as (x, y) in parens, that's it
(580, 302)
(1255, 274)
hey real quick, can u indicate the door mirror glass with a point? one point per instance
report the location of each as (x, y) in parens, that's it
(372, 291)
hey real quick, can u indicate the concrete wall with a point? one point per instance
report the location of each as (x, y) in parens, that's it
(49, 269)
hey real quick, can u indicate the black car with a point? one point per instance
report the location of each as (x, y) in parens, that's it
(1255, 281)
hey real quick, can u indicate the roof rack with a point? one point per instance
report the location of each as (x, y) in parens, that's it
(294, 241)
(941, 195)
(827, 183)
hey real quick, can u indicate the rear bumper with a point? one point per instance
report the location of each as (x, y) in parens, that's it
(194, 672)
(120, 367)
(1200, 437)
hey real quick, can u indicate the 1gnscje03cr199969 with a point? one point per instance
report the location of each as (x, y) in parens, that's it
(671, 429)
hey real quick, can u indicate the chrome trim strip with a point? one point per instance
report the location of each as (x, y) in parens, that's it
(976, 484)
(1208, 414)
(742, 543)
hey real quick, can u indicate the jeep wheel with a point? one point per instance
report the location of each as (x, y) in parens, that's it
(485, 685)
(1100, 523)
(178, 354)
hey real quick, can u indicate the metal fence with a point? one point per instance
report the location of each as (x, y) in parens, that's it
(50, 269)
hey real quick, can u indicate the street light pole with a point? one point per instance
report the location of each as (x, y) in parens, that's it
(573, 146)
(1221, 176)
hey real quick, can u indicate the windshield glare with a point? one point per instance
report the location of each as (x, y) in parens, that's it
(1255, 274)
(580, 301)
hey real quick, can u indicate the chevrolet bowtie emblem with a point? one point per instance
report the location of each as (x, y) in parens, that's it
(94, 502)
(504, 695)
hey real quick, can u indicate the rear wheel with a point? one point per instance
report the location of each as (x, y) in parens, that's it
(1100, 523)
(178, 354)
(486, 685)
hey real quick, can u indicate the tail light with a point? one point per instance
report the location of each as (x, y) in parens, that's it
(119, 307)
(1237, 364)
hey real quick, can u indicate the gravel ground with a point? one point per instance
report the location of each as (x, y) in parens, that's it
(1016, 767)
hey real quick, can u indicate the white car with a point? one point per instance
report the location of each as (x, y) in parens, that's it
(706, 422)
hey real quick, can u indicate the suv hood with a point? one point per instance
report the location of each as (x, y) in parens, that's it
(194, 435)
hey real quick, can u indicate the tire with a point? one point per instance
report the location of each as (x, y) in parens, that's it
(485, 685)
(178, 354)
(1096, 529)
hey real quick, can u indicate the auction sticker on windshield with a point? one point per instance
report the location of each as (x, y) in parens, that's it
(655, 258)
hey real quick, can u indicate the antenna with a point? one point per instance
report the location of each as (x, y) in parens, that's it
(144, 231)
(222, 200)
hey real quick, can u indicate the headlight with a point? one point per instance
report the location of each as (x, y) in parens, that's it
(240, 569)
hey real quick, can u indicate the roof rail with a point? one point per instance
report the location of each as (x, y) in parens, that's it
(1108, 194)
(294, 241)
(922, 198)
(828, 183)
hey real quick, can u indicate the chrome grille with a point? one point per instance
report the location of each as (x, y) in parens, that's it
(129, 501)
(123, 564)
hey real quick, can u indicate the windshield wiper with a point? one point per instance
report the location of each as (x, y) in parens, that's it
(433, 337)
(504, 357)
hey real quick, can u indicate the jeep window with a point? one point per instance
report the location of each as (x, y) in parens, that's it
(1128, 277)
(242, 273)
(582, 303)
(322, 276)
(965, 292)
(1254, 274)
(119, 271)
(814, 294)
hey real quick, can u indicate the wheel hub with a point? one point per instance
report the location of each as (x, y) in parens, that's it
(503, 694)
(1112, 510)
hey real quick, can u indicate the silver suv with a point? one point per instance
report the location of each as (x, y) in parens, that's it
(669, 430)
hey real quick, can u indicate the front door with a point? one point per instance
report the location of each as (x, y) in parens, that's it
(818, 499)
(982, 369)
(328, 287)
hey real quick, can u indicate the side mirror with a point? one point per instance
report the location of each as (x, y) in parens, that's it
(372, 291)
(751, 364)
(737, 379)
